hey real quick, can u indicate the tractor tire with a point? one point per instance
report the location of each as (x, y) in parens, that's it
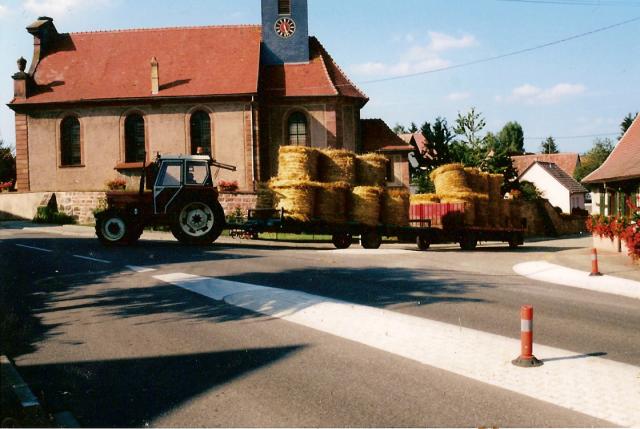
(198, 223)
(342, 240)
(370, 240)
(114, 228)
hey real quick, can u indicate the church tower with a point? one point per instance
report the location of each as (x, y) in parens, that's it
(285, 32)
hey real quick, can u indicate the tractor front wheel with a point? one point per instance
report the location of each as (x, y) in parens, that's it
(198, 222)
(113, 228)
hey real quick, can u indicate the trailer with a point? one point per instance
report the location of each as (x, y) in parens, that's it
(444, 225)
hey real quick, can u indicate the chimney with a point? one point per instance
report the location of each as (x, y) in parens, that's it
(44, 36)
(20, 80)
(155, 77)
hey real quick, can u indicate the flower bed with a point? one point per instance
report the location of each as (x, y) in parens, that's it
(618, 228)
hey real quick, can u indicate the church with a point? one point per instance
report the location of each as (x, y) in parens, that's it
(95, 106)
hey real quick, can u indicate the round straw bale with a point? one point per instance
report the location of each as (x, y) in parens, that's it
(395, 207)
(265, 201)
(515, 209)
(468, 217)
(337, 165)
(331, 202)
(424, 199)
(297, 163)
(495, 186)
(296, 197)
(371, 169)
(365, 205)
(477, 180)
(450, 178)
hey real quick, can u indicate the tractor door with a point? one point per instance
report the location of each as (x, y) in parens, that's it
(168, 185)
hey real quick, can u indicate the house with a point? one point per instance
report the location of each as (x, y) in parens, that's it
(378, 137)
(556, 185)
(568, 162)
(616, 184)
(95, 106)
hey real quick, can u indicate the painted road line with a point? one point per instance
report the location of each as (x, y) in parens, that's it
(34, 248)
(369, 252)
(597, 387)
(140, 269)
(102, 261)
(551, 273)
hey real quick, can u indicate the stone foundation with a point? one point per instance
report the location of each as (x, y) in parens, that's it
(80, 205)
(231, 201)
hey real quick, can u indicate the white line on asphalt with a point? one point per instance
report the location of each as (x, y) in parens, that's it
(34, 248)
(140, 269)
(102, 261)
(551, 273)
(597, 387)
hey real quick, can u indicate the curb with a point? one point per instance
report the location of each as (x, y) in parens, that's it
(30, 410)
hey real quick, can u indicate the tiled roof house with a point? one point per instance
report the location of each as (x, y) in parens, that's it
(568, 162)
(556, 185)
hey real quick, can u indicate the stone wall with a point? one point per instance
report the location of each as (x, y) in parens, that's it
(80, 205)
(230, 201)
(544, 220)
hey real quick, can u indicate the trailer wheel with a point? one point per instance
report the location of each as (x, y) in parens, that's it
(370, 240)
(515, 241)
(198, 222)
(423, 242)
(113, 228)
(342, 240)
(468, 243)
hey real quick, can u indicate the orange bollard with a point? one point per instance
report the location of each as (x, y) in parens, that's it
(595, 272)
(526, 358)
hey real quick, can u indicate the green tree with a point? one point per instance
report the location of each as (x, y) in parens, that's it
(626, 123)
(413, 128)
(400, 129)
(438, 136)
(7, 164)
(593, 159)
(511, 138)
(549, 146)
(470, 147)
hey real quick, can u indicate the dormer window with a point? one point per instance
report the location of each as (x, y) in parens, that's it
(284, 7)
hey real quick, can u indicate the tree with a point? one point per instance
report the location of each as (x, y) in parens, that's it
(626, 123)
(438, 138)
(399, 129)
(7, 164)
(413, 128)
(593, 159)
(511, 138)
(549, 146)
(470, 148)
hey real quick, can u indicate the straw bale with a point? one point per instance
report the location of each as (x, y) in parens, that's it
(365, 204)
(495, 185)
(337, 165)
(505, 214)
(331, 202)
(296, 197)
(298, 163)
(478, 181)
(444, 168)
(265, 196)
(395, 207)
(466, 218)
(450, 178)
(371, 169)
(482, 212)
(493, 212)
(515, 217)
(424, 199)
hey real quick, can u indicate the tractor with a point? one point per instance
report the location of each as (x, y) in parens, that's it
(182, 196)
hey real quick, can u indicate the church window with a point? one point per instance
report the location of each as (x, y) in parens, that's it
(284, 7)
(70, 142)
(297, 129)
(134, 138)
(200, 133)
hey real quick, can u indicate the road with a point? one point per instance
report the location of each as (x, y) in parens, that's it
(116, 346)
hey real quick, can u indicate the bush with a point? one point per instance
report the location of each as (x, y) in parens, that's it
(45, 214)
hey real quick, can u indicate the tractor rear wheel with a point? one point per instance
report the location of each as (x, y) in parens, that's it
(198, 222)
(113, 228)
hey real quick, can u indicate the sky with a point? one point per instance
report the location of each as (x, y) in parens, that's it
(393, 50)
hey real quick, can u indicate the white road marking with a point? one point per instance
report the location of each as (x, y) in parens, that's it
(34, 248)
(102, 261)
(140, 269)
(597, 387)
(369, 252)
(551, 273)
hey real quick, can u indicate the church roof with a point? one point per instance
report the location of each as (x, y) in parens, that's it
(378, 137)
(192, 61)
(566, 161)
(624, 161)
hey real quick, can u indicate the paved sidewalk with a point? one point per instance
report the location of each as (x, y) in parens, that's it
(613, 264)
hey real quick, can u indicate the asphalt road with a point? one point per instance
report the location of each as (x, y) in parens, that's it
(117, 347)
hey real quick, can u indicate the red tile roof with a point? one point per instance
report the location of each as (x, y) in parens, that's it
(419, 139)
(378, 137)
(194, 61)
(624, 161)
(320, 77)
(561, 176)
(567, 161)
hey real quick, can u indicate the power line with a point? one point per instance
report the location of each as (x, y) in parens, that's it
(508, 54)
(595, 3)
(573, 137)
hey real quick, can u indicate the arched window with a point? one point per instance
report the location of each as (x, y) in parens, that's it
(70, 153)
(200, 132)
(297, 129)
(134, 146)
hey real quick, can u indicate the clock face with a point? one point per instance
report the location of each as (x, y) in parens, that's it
(285, 27)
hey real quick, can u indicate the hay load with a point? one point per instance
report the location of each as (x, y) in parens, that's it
(478, 181)
(425, 199)
(296, 197)
(505, 213)
(297, 163)
(331, 202)
(371, 169)
(482, 211)
(495, 186)
(470, 199)
(395, 207)
(516, 215)
(365, 204)
(450, 178)
(493, 212)
(337, 165)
